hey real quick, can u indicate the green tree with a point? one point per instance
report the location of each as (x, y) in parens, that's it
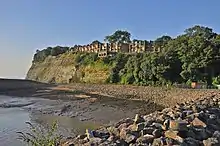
(161, 41)
(118, 36)
(196, 52)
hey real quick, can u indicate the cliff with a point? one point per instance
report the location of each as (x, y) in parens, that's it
(64, 69)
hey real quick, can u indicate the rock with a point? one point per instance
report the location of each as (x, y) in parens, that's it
(157, 125)
(198, 123)
(178, 125)
(81, 136)
(216, 134)
(148, 130)
(158, 142)
(171, 115)
(128, 121)
(95, 141)
(213, 116)
(187, 112)
(191, 134)
(138, 119)
(157, 133)
(139, 126)
(113, 131)
(160, 118)
(111, 138)
(171, 142)
(200, 133)
(211, 142)
(130, 138)
(166, 110)
(173, 135)
(101, 134)
(166, 124)
(194, 108)
(146, 139)
(89, 134)
(123, 133)
(132, 127)
(190, 142)
(148, 120)
(121, 142)
(123, 125)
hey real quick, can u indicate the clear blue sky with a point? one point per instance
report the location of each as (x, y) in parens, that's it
(27, 25)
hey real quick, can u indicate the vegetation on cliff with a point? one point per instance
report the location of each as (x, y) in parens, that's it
(191, 56)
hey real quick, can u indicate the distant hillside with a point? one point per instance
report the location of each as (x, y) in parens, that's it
(191, 56)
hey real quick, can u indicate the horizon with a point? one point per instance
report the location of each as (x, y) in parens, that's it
(30, 25)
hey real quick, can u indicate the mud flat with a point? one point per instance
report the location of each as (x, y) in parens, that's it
(93, 105)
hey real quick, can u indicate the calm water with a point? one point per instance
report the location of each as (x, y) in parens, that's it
(11, 121)
(15, 114)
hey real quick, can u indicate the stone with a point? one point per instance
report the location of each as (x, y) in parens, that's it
(81, 136)
(148, 130)
(157, 133)
(216, 134)
(111, 138)
(173, 135)
(190, 142)
(158, 142)
(166, 110)
(138, 119)
(171, 142)
(166, 124)
(157, 125)
(95, 141)
(178, 125)
(160, 118)
(148, 120)
(211, 142)
(113, 131)
(191, 134)
(139, 126)
(145, 139)
(123, 133)
(187, 112)
(101, 134)
(123, 125)
(213, 116)
(198, 123)
(194, 108)
(89, 134)
(128, 121)
(200, 133)
(121, 142)
(171, 115)
(130, 138)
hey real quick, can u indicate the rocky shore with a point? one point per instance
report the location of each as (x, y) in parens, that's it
(193, 119)
(191, 123)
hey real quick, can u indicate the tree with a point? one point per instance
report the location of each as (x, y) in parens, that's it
(96, 42)
(119, 36)
(196, 52)
(161, 41)
(202, 31)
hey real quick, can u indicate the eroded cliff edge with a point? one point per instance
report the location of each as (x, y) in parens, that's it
(65, 69)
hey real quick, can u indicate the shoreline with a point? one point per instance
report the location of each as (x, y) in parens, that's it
(92, 102)
(161, 95)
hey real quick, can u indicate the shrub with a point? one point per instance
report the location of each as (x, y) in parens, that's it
(216, 80)
(41, 136)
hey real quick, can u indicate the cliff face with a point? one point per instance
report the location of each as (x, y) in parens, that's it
(63, 69)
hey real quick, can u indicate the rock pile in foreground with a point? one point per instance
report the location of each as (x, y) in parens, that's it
(191, 123)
